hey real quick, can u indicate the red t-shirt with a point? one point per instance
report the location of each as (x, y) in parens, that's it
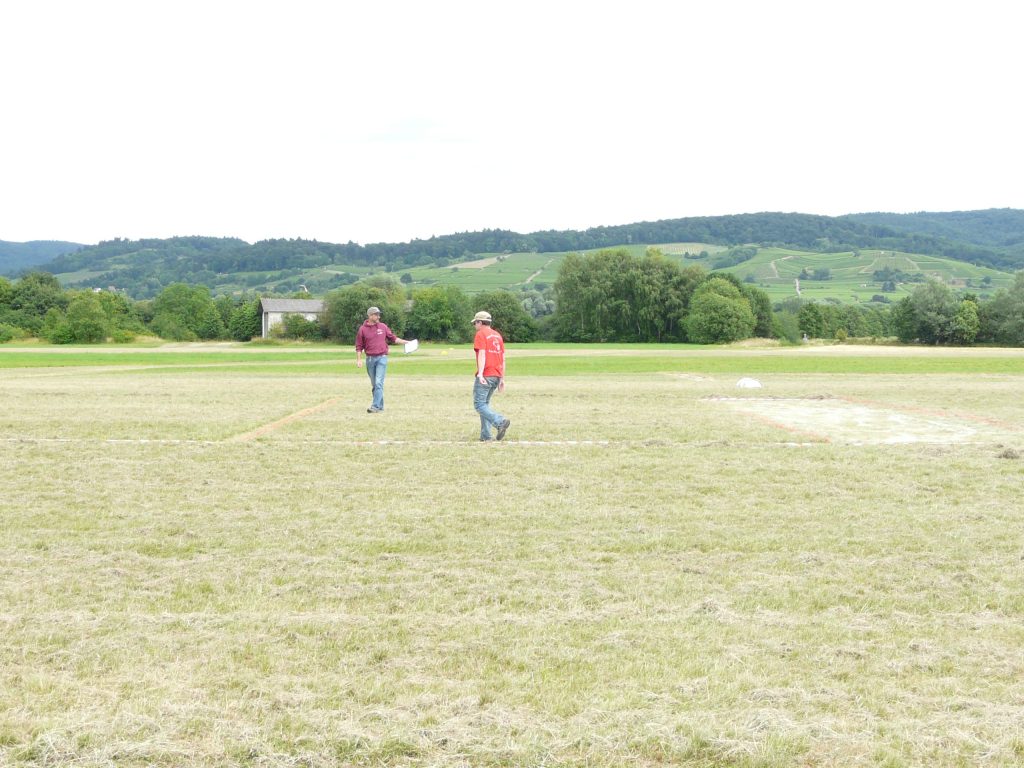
(374, 339)
(491, 342)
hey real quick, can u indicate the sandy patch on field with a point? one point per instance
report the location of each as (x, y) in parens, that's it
(836, 420)
(478, 264)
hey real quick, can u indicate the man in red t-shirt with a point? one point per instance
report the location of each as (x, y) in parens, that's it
(489, 347)
(373, 338)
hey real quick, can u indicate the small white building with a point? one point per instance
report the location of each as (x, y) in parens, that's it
(273, 311)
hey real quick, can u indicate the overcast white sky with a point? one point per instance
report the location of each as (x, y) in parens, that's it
(387, 121)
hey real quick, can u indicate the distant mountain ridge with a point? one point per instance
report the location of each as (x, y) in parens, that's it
(992, 228)
(15, 257)
(993, 238)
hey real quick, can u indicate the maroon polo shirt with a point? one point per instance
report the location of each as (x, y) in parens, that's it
(374, 339)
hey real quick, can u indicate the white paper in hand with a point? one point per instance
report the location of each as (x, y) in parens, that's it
(412, 346)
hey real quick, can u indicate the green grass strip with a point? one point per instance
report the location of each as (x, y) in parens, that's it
(529, 360)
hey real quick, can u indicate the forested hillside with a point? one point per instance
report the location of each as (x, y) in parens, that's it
(993, 238)
(15, 257)
(999, 230)
(994, 228)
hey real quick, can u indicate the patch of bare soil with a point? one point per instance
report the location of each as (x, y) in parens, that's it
(478, 264)
(837, 420)
(270, 427)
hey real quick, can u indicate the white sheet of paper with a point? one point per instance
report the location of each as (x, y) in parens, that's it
(412, 346)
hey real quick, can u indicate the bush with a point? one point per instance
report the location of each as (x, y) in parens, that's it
(170, 327)
(512, 321)
(440, 314)
(86, 319)
(345, 308)
(716, 319)
(55, 328)
(734, 256)
(245, 321)
(785, 326)
(298, 327)
(719, 313)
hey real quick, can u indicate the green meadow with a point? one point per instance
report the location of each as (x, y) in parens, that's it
(493, 271)
(213, 556)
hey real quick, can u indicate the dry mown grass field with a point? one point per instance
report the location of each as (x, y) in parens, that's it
(237, 565)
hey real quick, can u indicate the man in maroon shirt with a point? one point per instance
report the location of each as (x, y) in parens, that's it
(373, 338)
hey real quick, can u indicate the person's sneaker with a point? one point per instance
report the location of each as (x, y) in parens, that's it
(371, 409)
(502, 429)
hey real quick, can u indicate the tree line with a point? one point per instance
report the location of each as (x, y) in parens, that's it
(37, 306)
(608, 296)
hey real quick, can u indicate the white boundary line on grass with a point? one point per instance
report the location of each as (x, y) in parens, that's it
(416, 443)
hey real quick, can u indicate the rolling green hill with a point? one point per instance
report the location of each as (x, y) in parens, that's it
(786, 243)
(857, 276)
(852, 275)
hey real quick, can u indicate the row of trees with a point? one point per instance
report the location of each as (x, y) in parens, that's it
(614, 296)
(608, 296)
(826, 320)
(933, 314)
(37, 306)
(432, 314)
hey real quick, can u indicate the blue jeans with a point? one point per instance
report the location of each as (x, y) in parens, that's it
(482, 402)
(376, 367)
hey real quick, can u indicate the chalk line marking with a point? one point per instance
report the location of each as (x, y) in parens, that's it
(655, 444)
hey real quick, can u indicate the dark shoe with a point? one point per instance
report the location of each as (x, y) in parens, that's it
(502, 429)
